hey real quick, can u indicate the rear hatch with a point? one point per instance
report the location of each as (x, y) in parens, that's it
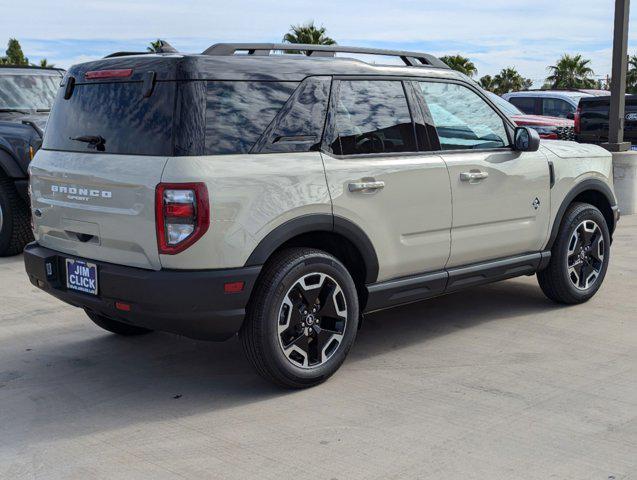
(593, 119)
(107, 141)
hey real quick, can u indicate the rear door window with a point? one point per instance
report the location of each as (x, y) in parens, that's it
(556, 107)
(238, 112)
(372, 116)
(526, 104)
(462, 118)
(128, 122)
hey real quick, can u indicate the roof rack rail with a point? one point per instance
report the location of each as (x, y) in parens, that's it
(411, 59)
(164, 47)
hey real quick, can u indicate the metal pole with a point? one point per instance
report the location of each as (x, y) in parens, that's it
(618, 81)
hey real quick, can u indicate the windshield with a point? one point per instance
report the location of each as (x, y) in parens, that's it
(507, 108)
(28, 92)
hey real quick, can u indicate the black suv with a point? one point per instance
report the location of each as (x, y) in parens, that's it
(26, 96)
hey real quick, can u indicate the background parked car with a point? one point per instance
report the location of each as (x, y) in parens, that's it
(591, 120)
(549, 128)
(26, 96)
(551, 103)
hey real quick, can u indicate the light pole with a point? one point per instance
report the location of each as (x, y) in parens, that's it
(618, 81)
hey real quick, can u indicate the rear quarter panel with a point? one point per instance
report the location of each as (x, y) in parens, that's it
(250, 195)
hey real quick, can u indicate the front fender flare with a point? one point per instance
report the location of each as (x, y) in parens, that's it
(583, 186)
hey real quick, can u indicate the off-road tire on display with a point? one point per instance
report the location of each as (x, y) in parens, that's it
(578, 262)
(15, 228)
(113, 326)
(300, 291)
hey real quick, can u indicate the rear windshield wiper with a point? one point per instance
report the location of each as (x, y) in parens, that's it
(43, 110)
(94, 141)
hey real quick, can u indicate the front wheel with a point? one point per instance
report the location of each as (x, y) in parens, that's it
(302, 319)
(15, 228)
(579, 257)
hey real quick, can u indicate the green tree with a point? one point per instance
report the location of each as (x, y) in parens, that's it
(488, 83)
(307, 33)
(631, 75)
(45, 64)
(509, 80)
(571, 71)
(460, 64)
(14, 54)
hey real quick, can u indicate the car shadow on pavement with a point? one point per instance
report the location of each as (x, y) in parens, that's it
(419, 322)
(97, 381)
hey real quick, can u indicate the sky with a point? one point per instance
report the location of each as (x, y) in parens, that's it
(526, 34)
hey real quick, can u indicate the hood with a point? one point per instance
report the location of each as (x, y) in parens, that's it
(38, 119)
(565, 149)
(542, 121)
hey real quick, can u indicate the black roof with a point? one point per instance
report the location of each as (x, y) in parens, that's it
(177, 66)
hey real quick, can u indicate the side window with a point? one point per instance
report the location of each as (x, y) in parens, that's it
(238, 112)
(298, 127)
(372, 116)
(526, 104)
(556, 107)
(462, 118)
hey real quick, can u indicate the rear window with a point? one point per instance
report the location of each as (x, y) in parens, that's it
(189, 118)
(128, 122)
(237, 113)
(526, 104)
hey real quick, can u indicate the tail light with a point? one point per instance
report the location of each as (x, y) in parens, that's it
(182, 214)
(578, 120)
(102, 74)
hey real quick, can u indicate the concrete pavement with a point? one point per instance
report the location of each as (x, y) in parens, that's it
(493, 383)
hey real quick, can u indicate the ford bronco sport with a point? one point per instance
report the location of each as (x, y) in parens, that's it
(26, 96)
(282, 196)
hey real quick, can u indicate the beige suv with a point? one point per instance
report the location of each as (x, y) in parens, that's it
(280, 197)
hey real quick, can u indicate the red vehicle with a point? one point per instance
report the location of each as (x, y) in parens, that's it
(550, 128)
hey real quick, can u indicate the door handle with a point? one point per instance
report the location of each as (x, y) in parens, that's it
(473, 176)
(366, 187)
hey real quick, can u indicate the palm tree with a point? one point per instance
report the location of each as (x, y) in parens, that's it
(460, 64)
(155, 46)
(45, 64)
(571, 71)
(488, 83)
(509, 80)
(307, 33)
(631, 75)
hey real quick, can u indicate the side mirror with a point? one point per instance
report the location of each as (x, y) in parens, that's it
(526, 139)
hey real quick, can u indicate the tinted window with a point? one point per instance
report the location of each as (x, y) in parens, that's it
(462, 118)
(237, 113)
(526, 104)
(298, 126)
(555, 107)
(28, 92)
(128, 122)
(372, 117)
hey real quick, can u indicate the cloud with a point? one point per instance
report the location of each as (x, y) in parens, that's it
(527, 34)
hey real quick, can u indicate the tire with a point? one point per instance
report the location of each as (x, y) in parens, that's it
(15, 227)
(578, 261)
(302, 318)
(113, 326)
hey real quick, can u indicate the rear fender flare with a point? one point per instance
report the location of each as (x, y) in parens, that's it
(318, 223)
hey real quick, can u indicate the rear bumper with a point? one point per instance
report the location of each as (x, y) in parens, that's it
(186, 302)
